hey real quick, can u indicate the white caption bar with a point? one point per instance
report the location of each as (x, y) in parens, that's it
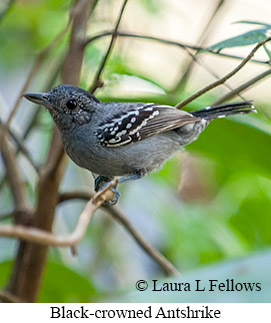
(115, 312)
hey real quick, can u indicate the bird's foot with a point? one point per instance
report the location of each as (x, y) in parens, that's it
(100, 183)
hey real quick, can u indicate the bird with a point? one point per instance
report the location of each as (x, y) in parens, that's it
(124, 139)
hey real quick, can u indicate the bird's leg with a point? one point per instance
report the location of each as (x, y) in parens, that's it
(100, 183)
(133, 177)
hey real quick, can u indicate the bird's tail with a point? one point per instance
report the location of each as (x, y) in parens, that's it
(224, 110)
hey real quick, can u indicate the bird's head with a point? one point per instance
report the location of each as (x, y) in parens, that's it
(67, 104)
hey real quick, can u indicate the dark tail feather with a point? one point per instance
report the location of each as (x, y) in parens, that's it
(224, 110)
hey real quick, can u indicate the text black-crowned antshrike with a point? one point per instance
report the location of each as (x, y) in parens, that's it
(124, 139)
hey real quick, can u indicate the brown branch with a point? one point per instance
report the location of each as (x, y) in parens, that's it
(167, 42)
(16, 183)
(81, 195)
(167, 266)
(71, 70)
(29, 266)
(97, 80)
(46, 238)
(71, 240)
(223, 79)
(22, 148)
(116, 213)
(7, 297)
(243, 87)
(22, 211)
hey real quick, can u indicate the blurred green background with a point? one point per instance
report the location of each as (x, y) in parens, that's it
(209, 204)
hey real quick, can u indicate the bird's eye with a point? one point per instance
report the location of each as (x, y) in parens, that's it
(71, 104)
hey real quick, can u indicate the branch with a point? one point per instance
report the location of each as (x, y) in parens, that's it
(223, 79)
(29, 266)
(73, 62)
(5, 296)
(46, 238)
(21, 147)
(97, 80)
(22, 212)
(35, 67)
(189, 64)
(167, 42)
(243, 87)
(115, 212)
(32, 121)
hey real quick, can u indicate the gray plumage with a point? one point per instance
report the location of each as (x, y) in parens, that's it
(120, 139)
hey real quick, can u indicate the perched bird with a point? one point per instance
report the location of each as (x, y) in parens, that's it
(124, 139)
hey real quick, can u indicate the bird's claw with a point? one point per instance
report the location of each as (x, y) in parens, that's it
(100, 183)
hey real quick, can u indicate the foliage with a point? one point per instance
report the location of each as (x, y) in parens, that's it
(225, 215)
(248, 38)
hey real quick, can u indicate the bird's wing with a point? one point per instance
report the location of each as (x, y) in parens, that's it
(140, 122)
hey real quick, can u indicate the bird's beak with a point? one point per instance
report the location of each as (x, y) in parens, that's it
(38, 98)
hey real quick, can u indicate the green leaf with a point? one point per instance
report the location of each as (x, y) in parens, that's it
(256, 230)
(61, 284)
(5, 269)
(253, 23)
(249, 38)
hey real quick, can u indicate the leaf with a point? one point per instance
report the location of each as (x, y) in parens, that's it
(62, 284)
(249, 38)
(253, 23)
(5, 269)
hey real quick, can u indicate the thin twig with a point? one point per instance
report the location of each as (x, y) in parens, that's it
(167, 42)
(201, 40)
(116, 213)
(243, 87)
(183, 46)
(35, 67)
(15, 181)
(32, 120)
(167, 266)
(46, 238)
(223, 79)
(97, 80)
(22, 147)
